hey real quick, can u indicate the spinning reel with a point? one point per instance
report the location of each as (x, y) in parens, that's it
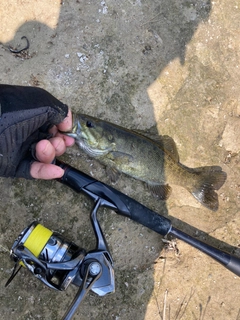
(58, 263)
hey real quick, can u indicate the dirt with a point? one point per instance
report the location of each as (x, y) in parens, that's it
(170, 67)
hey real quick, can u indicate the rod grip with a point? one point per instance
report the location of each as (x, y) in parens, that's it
(115, 199)
(145, 216)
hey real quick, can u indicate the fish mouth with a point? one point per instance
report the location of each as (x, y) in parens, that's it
(82, 141)
(77, 132)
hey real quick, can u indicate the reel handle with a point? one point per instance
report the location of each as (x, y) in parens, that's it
(90, 277)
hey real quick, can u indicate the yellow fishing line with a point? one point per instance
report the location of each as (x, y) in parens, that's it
(37, 239)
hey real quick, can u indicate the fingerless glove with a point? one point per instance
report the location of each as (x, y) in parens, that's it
(26, 114)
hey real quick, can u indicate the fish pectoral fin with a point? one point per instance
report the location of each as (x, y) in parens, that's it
(161, 191)
(113, 174)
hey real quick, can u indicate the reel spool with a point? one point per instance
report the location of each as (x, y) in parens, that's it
(58, 262)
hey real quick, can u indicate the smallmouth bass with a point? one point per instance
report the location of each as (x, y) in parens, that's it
(155, 162)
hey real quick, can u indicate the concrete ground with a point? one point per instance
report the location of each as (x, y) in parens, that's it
(170, 67)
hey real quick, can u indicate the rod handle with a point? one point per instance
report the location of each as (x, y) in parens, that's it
(114, 199)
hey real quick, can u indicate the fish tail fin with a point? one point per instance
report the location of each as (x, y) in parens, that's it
(208, 179)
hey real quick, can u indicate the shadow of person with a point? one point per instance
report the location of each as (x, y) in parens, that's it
(100, 59)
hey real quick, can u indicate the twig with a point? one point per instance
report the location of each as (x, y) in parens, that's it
(4, 249)
(20, 50)
(238, 315)
(208, 300)
(155, 294)
(165, 305)
(151, 20)
(177, 314)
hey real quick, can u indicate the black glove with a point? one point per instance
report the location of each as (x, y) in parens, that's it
(26, 113)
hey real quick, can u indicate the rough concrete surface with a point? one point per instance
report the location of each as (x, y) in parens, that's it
(170, 67)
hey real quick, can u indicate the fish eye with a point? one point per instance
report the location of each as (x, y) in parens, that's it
(89, 124)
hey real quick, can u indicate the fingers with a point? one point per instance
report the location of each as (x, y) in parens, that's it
(45, 171)
(47, 150)
(59, 145)
(69, 141)
(66, 124)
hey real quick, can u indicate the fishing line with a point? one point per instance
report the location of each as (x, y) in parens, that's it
(38, 239)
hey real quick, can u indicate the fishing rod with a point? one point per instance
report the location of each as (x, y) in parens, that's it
(132, 209)
(58, 262)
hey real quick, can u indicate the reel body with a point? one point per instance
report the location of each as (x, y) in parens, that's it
(48, 256)
(58, 262)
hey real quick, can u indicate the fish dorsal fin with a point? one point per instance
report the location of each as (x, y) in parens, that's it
(169, 146)
(165, 142)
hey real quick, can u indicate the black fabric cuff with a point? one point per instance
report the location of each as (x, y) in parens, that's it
(23, 170)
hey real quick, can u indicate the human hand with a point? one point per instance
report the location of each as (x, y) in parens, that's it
(29, 138)
(47, 150)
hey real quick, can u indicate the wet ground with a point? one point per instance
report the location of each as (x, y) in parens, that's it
(170, 67)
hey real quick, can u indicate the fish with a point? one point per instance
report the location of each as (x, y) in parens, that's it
(154, 161)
